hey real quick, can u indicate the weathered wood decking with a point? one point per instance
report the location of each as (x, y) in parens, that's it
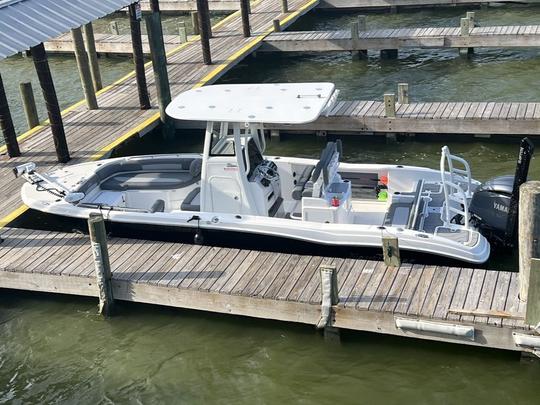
(94, 134)
(270, 285)
(398, 38)
(110, 44)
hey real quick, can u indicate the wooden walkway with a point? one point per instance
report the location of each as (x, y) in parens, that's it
(110, 44)
(175, 6)
(93, 134)
(479, 118)
(277, 286)
(398, 38)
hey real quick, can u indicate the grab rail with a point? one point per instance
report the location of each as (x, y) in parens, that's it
(453, 192)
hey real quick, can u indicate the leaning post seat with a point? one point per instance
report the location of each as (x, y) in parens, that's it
(304, 185)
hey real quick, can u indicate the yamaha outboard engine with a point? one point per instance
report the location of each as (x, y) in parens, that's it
(494, 206)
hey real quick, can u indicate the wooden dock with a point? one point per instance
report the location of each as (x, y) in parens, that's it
(110, 44)
(467, 118)
(399, 38)
(92, 135)
(279, 286)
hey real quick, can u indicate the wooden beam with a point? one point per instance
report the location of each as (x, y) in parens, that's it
(29, 104)
(6, 124)
(98, 240)
(84, 69)
(138, 57)
(88, 32)
(205, 32)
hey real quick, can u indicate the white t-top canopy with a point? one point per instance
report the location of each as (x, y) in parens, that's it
(294, 103)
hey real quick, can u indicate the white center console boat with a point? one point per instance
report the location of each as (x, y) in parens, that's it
(232, 186)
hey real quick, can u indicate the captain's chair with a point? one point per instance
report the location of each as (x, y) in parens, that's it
(305, 184)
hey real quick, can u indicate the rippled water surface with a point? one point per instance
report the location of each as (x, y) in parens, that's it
(57, 350)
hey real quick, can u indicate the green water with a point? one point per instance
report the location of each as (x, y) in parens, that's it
(57, 350)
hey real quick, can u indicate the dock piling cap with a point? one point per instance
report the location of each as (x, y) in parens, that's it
(279, 103)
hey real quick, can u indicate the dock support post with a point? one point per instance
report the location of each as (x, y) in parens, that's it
(135, 16)
(403, 93)
(195, 22)
(277, 25)
(529, 241)
(391, 253)
(205, 34)
(182, 32)
(29, 104)
(284, 6)
(330, 297)
(157, 52)
(43, 71)
(6, 124)
(390, 105)
(156, 13)
(88, 32)
(98, 240)
(84, 69)
(356, 27)
(244, 11)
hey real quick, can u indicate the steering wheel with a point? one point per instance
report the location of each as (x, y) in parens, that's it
(266, 172)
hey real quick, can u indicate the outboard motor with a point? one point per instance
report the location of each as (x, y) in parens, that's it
(494, 206)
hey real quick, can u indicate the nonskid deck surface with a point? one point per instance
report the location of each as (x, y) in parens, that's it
(267, 284)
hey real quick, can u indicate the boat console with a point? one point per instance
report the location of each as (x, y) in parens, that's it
(266, 178)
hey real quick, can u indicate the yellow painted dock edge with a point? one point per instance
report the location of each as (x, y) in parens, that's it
(133, 131)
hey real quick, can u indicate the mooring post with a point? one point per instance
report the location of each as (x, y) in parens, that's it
(84, 69)
(277, 25)
(156, 12)
(284, 6)
(329, 298)
(29, 104)
(182, 32)
(157, 52)
(88, 32)
(113, 27)
(528, 234)
(470, 16)
(391, 255)
(135, 16)
(403, 93)
(43, 71)
(464, 27)
(6, 124)
(354, 31)
(204, 27)
(390, 105)
(244, 11)
(98, 240)
(195, 22)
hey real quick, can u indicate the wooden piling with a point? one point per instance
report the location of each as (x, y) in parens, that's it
(157, 52)
(403, 93)
(155, 10)
(43, 71)
(529, 233)
(532, 313)
(362, 23)
(6, 124)
(284, 6)
(464, 27)
(138, 57)
(470, 17)
(182, 32)
(88, 32)
(84, 69)
(205, 33)
(195, 22)
(391, 255)
(244, 11)
(390, 105)
(29, 104)
(277, 25)
(354, 31)
(98, 240)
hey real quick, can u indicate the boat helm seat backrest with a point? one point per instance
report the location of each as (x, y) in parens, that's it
(301, 181)
(158, 206)
(145, 174)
